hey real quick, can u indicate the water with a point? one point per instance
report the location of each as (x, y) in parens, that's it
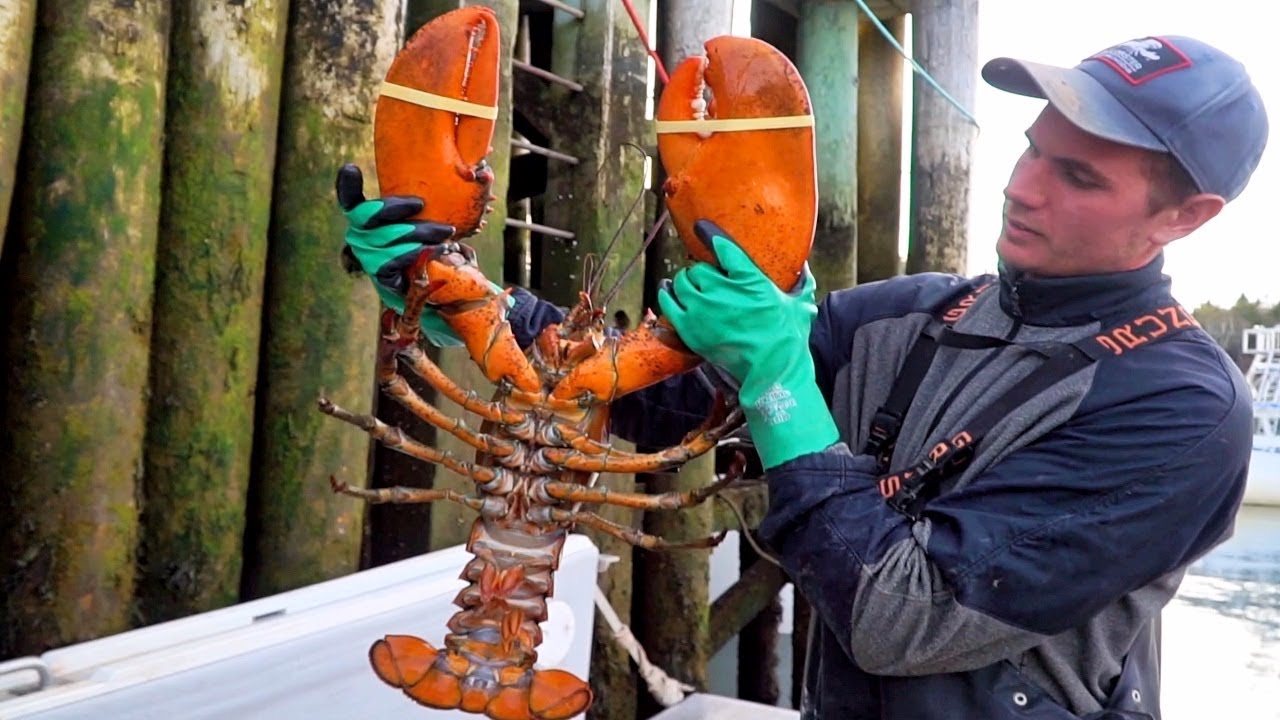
(1221, 636)
(1222, 632)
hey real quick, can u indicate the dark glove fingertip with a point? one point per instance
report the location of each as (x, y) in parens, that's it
(349, 187)
(395, 208)
(429, 233)
(391, 276)
(350, 263)
(666, 286)
(705, 230)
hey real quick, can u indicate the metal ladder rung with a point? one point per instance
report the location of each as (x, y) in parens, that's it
(547, 152)
(541, 229)
(545, 75)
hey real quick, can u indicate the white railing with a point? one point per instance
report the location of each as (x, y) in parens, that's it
(1263, 376)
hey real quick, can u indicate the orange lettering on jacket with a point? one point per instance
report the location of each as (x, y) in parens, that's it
(1145, 328)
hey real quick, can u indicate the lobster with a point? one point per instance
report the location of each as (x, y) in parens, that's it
(545, 432)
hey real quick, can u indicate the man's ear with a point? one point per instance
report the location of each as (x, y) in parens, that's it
(1186, 217)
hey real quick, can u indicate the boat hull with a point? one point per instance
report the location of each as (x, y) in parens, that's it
(1263, 487)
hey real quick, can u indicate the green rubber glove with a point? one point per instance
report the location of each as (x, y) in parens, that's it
(385, 244)
(735, 317)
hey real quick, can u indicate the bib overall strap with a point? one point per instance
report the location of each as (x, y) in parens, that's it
(886, 423)
(909, 490)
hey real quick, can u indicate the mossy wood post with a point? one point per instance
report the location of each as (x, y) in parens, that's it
(79, 322)
(880, 69)
(945, 42)
(320, 324)
(17, 27)
(449, 524)
(827, 57)
(223, 100)
(674, 607)
(600, 197)
(758, 641)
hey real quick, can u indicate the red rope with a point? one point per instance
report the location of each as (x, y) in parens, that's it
(644, 38)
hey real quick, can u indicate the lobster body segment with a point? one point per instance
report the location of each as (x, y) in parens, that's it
(545, 434)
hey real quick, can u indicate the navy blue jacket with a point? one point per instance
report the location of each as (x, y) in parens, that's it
(1032, 585)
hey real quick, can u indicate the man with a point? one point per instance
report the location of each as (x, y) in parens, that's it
(988, 488)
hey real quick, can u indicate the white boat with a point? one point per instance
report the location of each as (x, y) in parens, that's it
(1263, 343)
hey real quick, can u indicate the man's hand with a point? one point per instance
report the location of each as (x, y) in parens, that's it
(384, 243)
(735, 317)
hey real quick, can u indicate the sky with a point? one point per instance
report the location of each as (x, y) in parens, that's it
(1239, 251)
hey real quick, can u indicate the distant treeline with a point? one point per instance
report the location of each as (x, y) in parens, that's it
(1227, 325)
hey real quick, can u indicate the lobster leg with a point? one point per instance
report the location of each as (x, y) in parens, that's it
(606, 459)
(406, 496)
(470, 400)
(393, 345)
(631, 535)
(573, 492)
(398, 388)
(394, 438)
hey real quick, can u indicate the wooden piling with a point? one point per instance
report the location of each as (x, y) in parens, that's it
(945, 42)
(880, 68)
(17, 27)
(320, 324)
(758, 639)
(77, 319)
(223, 100)
(827, 57)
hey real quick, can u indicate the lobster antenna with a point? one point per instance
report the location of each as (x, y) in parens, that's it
(598, 276)
(653, 233)
(590, 270)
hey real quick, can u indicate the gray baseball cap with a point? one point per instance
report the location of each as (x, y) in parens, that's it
(1170, 94)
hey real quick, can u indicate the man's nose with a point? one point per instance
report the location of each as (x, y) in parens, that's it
(1026, 183)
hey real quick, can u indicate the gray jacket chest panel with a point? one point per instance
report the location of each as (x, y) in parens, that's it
(960, 384)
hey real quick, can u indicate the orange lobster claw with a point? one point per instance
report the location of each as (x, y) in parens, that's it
(755, 176)
(435, 116)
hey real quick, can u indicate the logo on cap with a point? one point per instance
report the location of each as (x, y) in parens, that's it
(1138, 61)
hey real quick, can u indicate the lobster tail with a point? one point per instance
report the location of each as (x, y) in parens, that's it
(487, 663)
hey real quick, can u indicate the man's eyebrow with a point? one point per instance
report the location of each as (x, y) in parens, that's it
(1078, 167)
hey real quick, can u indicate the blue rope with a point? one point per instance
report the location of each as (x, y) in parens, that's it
(923, 73)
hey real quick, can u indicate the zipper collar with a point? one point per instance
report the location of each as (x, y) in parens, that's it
(1066, 301)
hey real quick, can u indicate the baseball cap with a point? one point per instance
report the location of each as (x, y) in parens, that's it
(1166, 93)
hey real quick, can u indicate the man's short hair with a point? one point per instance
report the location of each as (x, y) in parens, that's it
(1171, 184)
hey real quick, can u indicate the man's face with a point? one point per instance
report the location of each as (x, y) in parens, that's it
(1077, 204)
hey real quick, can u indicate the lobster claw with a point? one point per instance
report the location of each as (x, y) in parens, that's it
(746, 161)
(435, 116)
